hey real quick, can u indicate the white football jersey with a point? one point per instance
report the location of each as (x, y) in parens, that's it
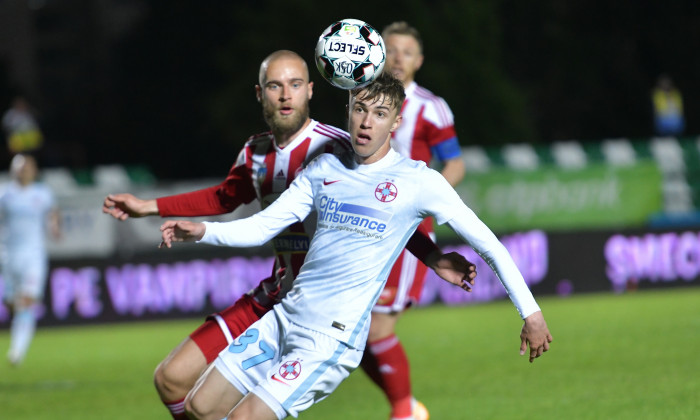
(23, 218)
(366, 214)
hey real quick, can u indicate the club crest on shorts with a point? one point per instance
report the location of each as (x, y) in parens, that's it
(290, 370)
(386, 192)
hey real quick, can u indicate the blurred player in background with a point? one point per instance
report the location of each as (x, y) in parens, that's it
(27, 213)
(266, 166)
(427, 132)
(668, 107)
(21, 128)
(298, 353)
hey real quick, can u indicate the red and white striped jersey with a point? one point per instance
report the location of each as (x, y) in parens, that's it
(263, 171)
(427, 128)
(272, 169)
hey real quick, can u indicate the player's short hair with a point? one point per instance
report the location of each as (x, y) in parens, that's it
(262, 74)
(385, 87)
(19, 161)
(403, 28)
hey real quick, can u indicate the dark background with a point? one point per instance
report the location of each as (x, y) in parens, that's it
(170, 83)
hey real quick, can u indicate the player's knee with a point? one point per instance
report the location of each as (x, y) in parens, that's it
(167, 379)
(24, 302)
(191, 407)
(159, 376)
(381, 327)
(196, 408)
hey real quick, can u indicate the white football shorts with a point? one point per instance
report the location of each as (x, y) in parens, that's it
(24, 275)
(286, 365)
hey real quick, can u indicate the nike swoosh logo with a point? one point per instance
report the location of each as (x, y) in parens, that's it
(330, 182)
(275, 378)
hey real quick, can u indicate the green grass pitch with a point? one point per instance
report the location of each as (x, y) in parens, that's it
(631, 356)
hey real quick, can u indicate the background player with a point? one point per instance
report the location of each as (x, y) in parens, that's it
(298, 353)
(427, 132)
(27, 211)
(264, 169)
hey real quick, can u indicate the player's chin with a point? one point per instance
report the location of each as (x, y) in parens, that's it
(360, 149)
(399, 74)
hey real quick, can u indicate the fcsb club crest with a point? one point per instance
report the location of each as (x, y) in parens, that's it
(385, 192)
(290, 370)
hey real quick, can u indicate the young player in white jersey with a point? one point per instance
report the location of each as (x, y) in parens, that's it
(368, 203)
(265, 168)
(426, 133)
(27, 214)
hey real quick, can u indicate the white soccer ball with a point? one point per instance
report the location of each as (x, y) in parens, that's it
(350, 53)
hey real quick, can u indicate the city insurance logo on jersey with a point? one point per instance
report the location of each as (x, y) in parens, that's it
(353, 216)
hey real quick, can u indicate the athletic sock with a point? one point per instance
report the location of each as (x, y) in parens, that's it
(177, 409)
(392, 368)
(21, 333)
(371, 368)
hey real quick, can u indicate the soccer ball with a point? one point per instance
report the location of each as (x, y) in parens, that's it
(350, 54)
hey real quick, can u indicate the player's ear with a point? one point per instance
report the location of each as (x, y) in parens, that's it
(397, 122)
(419, 62)
(258, 93)
(311, 89)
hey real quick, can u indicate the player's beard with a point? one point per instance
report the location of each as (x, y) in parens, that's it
(286, 124)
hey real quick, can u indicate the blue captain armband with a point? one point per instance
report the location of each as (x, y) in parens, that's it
(446, 150)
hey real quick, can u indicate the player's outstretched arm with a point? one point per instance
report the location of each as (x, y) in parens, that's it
(452, 267)
(536, 335)
(180, 231)
(453, 170)
(123, 206)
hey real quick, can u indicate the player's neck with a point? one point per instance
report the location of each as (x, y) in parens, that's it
(376, 156)
(283, 139)
(23, 182)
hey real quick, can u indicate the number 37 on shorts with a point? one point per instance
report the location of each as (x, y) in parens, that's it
(263, 351)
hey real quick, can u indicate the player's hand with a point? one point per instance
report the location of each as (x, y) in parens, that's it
(123, 206)
(454, 268)
(180, 231)
(535, 334)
